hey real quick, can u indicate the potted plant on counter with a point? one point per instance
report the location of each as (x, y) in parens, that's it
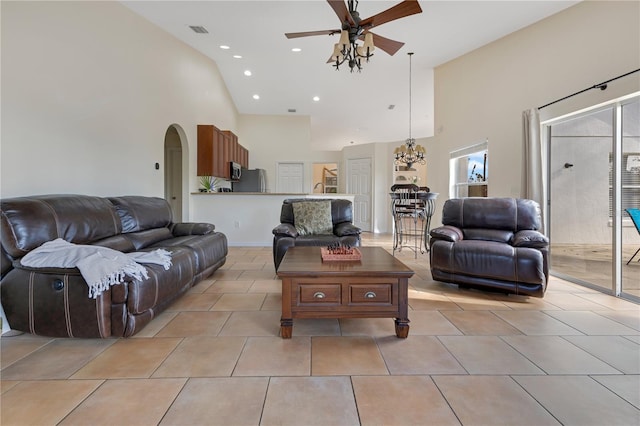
(208, 183)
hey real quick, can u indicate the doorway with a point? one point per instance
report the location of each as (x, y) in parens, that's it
(173, 179)
(359, 184)
(325, 178)
(290, 178)
(592, 183)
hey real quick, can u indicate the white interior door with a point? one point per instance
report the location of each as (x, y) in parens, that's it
(173, 172)
(359, 184)
(290, 178)
(173, 187)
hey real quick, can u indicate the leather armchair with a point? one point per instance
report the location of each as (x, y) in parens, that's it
(491, 243)
(285, 234)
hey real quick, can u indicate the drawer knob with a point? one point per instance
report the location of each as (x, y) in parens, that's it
(318, 295)
(370, 295)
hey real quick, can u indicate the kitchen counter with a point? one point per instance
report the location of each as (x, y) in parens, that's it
(246, 218)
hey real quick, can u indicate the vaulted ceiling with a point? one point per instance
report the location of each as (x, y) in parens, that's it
(351, 108)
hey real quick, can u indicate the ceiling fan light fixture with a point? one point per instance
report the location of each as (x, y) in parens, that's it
(337, 54)
(344, 40)
(354, 30)
(368, 43)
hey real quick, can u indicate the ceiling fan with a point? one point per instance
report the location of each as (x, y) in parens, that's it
(354, 28)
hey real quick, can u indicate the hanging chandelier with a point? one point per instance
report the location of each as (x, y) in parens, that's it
(347, 48)
(409, 153)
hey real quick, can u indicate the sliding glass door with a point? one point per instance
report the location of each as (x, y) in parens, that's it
(593, 179)
(630, 197)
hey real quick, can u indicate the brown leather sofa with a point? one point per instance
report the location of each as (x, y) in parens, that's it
(285, 235)
(493, 244)
(54, 301)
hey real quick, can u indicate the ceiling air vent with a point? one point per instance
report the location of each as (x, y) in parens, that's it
(198, 29)
(291, 110)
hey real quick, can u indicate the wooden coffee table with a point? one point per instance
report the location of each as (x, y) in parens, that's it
(374, 287)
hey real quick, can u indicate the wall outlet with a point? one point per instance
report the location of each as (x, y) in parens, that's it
(236, 224)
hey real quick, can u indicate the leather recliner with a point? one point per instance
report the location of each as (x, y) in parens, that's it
(493, 244)
(285, 235)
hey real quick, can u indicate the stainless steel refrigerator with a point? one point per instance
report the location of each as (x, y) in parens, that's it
(251, 180)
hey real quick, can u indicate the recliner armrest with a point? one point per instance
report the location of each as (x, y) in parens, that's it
(191, 228)
(345, 228)
(285, 230)
(530, 238)
(447, 233)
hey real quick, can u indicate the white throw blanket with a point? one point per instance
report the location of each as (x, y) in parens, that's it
(101, 267)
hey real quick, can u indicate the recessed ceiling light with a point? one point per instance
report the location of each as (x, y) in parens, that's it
(237, 56)
(247, 73)
(316, 98)
(256, 97)
(225, 47)
(296, 49)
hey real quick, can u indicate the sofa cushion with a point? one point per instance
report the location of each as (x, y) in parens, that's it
(325, 240)
(192, 228)
(207, 249)
(533, 239)
(512, 214)
(139, 213)
(447, 233)
(143, 239)
(285, 230)
(162, 285)
(341, 210)
(29, 222)
(498, 235)
(490, 260)
(313, 218)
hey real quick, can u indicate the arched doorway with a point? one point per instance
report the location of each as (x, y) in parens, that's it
(174, 140)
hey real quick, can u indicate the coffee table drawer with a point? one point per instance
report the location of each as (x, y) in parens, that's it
(314, 294)
(371, 294)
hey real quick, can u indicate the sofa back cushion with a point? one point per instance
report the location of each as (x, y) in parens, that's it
(508, 214)
(139, 213)
(341, 210)
(28, 222)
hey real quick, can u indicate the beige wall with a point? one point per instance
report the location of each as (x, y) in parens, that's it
(89, 90)
(281, 138)
(482, 94)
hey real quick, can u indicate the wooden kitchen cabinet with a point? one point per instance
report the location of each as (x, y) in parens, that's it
(209, 159)
(216, 148)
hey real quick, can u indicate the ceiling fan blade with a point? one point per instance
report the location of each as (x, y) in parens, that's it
(400, 10)
(386, 44)
(340, 8)
(311, 33)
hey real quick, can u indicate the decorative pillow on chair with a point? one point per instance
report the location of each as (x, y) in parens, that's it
(313, 217)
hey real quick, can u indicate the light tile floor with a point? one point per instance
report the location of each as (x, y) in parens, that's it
(215, 358)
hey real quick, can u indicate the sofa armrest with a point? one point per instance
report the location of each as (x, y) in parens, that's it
(285, 230)
(447, 233)
(192, 228)
(530, 238)
(346, 228)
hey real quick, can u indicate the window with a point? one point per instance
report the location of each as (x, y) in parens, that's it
(468, 171)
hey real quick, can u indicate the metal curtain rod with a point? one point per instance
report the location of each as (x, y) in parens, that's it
(601, 86)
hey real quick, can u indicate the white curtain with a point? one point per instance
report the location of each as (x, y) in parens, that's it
(533, 159)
